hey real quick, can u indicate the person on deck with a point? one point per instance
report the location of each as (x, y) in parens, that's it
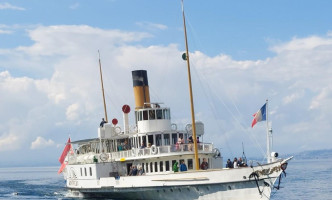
(229, 164)
(183, 166)
(235, 163)
(102, 122)
(175, 167)
(204, 165)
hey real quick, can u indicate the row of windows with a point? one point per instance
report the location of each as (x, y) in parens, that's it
(85, 172)
(164, 165)
(153, 114)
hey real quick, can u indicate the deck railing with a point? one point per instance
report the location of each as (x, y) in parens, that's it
(147, 151)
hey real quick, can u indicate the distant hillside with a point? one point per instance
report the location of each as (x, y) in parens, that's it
(313, 154)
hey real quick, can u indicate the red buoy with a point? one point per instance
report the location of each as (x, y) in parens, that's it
(126, 109)
(114, 121)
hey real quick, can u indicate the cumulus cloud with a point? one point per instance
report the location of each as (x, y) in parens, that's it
(296, 81)
(8, 6)
(152, 26)
(41, 143)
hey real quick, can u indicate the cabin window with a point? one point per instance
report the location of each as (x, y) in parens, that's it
(158, 139)
(190, 163)
(151, 167)
(147, 167)
(152, 114)
(167, 165)
(166, 139)
(81, 171)
(155, 167)
(161, 165)
(90, 171)
(159, 114)
(174, 138)
(166, 114)
(85, 172)
(145, 115)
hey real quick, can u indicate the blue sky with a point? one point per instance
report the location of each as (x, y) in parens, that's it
(243, 52)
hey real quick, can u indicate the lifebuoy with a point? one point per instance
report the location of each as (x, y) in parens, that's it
(103, 157)
(154, 149)
(117, 130)
(216, 153)
(188, 128)
(174, 127)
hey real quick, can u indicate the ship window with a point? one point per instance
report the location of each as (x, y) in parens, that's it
(155, 167)
(190, 163)
(145, 115)
(166, 139)
(151, 167)
(147, 167)
(174, 138)
(161, 163)
(166, 114)
(85, 171)
(159, 114)
(167, 165)
(152, 114)
(139, 115)
(90, 171)
(158, 139)
(81, 171)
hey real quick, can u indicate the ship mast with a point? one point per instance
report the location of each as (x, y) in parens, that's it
(102, 88)
(186, 57)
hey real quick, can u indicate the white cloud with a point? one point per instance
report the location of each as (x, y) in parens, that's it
(72, 112)
(5, 32)
(152, 26)
(295, 79)
(8, 6)
(9, 142)
(74, 6)
(41, 143)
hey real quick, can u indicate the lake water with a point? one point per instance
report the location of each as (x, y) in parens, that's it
(306, 180)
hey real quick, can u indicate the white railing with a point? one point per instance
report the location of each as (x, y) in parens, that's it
(136, 153)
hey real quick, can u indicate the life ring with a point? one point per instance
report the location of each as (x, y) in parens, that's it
(188, 128)
(216, 153)
(174, 127)
(117, 130)
(103, 157)
(133, 151)
(284, 166)
(154, 149)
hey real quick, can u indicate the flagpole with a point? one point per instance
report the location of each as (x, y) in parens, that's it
(268, 152)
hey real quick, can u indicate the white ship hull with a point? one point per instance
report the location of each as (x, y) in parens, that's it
(211, 184)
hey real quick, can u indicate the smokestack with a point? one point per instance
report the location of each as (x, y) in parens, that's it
(141, 88)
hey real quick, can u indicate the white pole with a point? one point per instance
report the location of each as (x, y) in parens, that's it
(268, 152)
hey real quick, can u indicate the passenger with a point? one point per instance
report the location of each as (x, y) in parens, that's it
(190, 141)
(102, 122)
(176, 167)
(197, 140)
(204, 165)
(178, 144)
(134, 171)
(142, 145)
(140, 171)
(130, 171)
(239, 162)
(125, 145)
(229, 164)
(183, 166)
(149, 145)
(235, 163)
